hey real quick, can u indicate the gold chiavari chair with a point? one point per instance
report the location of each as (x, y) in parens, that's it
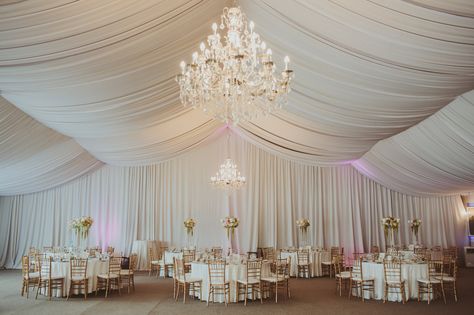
(188, 257)
(359, 282)
(375, 251)
(303, 263)
(252, 255)
(216, 252)
(358, 256)
(269, 253)
(48, 281)
(393, 279)
(217, 281)
(432, 285)
(110, 250)
(252, 282)
(342, 276)
(92, 252)
(392, 251)
(449, 281)
(79, 279)
(111, 279)
(153, 263)
(165, 264)
(30, 277)
(327, 265)
(280, 278)
(128, 275)
(449, 254)
(436, 253)
(185, 281)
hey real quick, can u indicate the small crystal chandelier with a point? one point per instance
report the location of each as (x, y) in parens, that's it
(234, 80)
(228, 178)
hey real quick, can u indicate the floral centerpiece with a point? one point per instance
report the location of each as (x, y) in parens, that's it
(415, 225)
(189, 224)
(81, 226)
(303, 224)
(230, 224)
(390, 224)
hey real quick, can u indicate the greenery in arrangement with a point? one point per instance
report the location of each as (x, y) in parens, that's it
(303, 224)
(81, 226)
(230, 224)
(189, 224)
(415, 225)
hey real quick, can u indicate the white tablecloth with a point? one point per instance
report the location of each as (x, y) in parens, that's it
(315, 259)
(234, 272)
(94, 267)
(169, 256)
(410, 273)
(141, 249)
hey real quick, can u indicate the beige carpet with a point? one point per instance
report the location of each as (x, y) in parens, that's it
(154, 296)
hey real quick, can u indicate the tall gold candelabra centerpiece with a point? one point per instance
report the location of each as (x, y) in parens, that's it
(390, 227)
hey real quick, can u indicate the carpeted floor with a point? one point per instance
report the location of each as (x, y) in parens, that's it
(154, 296)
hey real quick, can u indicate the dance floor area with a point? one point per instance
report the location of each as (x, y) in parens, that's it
(155, 296)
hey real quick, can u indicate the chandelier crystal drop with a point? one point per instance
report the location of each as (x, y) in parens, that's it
(233, 77)
(228, 178)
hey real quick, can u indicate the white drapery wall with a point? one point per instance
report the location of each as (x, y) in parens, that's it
(151, 202)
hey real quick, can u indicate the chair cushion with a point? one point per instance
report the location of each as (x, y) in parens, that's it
(54, 277)
(156, 262)
(344, 274)
(78, 278)
(32, 275)
(449, 279)
(189, 279)
(358, 279)
(251, 281)
(107, 276)
(126, 272)
(273, 279)
(427, 281)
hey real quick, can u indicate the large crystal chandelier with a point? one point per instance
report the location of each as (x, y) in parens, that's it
(233, 77)
(228, 178)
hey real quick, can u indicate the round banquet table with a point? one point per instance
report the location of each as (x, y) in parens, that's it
(410, 273)
(95, 267)
(315, 259)
(141, 249)
(233, 273)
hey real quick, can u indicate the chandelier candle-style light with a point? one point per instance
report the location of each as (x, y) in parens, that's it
(228, 178)
(233, 77)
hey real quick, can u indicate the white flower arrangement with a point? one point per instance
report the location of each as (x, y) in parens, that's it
(81, 226)
(230, 224)
(415, 225)
(303, 224)
(189, 224)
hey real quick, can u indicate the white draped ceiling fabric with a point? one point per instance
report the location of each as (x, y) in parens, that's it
(381, 86)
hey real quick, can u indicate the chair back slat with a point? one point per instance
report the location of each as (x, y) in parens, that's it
(303, 257)
(217, 271)
(254, 269)
(114, 265)
(392, 270)
(78, 267)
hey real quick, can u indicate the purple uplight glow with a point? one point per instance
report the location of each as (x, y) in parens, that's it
(363, 168)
